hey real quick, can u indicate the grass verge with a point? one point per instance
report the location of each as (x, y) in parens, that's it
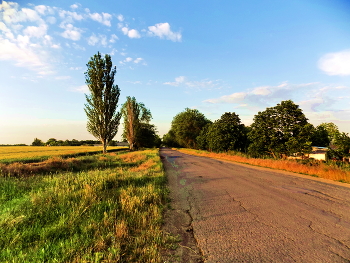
(110, 213)
(316, 169)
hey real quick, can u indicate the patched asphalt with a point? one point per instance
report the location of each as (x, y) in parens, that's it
(241, 213)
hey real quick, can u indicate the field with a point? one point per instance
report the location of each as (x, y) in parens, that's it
(96, 208)
(329, 171)
(10, 154)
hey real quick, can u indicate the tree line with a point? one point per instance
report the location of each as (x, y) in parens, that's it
(279, 131)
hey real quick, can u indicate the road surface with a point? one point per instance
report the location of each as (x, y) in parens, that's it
(228, 212)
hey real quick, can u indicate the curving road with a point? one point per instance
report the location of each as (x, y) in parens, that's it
(241, 213)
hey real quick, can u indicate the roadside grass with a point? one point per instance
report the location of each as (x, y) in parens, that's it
(317, 169)
(28, 154)
(108, 210)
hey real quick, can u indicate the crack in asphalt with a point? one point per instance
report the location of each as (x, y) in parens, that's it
(189, 193)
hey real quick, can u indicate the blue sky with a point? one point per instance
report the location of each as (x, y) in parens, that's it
(215, 56)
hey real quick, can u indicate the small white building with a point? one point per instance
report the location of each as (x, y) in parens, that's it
(318, 153)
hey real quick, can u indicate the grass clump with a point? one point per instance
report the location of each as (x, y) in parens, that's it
(101, 214)
(313, 168)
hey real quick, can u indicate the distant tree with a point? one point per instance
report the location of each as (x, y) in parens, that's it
(169, 139)
(102, 103)
(148, 136)
(202, 138)
(279, 131)
(320, 136)
(226, 133)
(136, 116)
(332, 131)
(51, 142)
(187, 126)
(38, 142)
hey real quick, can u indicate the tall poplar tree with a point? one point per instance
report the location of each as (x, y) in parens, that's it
(102, 102)
(136, 122)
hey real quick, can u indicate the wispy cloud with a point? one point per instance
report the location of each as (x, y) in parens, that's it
(205, 84)
(337, 63)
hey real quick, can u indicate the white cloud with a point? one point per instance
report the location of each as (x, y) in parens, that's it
(36, 31)
(93, 40)
(71, 32)
(74, 6)
(233, 98)
(138, 60)
(179, 80)
(82, 89)
(104, 19)
(162, 30)
(113, 38)
(128, 59)
(132, 33)
(337, 63)
(120, 18)
(199, 85)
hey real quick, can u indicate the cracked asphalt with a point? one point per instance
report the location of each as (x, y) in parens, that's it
(241, 213)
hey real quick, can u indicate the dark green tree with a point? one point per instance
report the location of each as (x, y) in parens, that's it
(38, 142)
(187, 125)
(169, 139)
(136, 117)
(51, 142)
(202, 138)
(280, 131)
(102, 102)
(226, 134)
(320, 137)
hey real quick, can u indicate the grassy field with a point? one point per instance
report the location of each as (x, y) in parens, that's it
(10, 154)
(107, 208)
(328, 171)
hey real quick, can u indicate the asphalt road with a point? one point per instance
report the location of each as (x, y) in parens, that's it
(241, 213)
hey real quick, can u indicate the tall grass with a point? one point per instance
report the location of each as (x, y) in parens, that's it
(318, 169)
(103, 214)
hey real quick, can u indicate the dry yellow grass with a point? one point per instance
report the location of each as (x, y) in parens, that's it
(24, 152)
(320, 170)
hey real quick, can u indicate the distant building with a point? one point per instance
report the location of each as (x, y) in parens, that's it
(318, 153)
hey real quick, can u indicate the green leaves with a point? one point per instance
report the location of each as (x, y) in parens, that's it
(279, 131)
(187, 125)
(102, 102)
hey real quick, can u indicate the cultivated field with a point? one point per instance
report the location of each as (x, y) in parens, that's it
(96, 208)
(37, 153)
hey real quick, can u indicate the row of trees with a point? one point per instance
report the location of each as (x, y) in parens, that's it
(278, 131)
(74, 142)
(101, 108)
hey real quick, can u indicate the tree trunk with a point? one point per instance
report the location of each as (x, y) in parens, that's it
(104, 144)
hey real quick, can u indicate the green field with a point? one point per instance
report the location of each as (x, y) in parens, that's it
(107, 209)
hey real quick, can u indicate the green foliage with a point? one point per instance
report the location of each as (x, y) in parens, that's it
(38, 142)
(331, 129)
(169, 139)
(320, 136)
(137, 130)
(202, 138)
(280, 131)
(226, 134)
(187, 125)
(102, 103)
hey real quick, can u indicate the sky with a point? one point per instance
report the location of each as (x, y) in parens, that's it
(214, 56)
